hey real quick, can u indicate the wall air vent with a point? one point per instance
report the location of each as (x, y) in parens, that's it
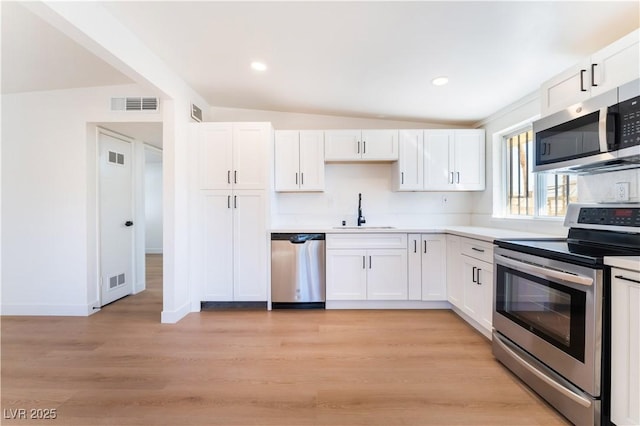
(134, 103)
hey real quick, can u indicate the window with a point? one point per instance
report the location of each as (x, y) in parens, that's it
(542, 194)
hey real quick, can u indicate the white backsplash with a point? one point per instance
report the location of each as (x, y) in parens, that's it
(381, 206)
(600, 187)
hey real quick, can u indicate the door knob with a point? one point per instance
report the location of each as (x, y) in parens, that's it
(128, 223)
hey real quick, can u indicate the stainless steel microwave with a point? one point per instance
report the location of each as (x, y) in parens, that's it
(598, 135)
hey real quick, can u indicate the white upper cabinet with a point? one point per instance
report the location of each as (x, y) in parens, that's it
(409, 170)
(361, 145)
(299, 160)
(454, 160)
(232, 155)
(610, 67)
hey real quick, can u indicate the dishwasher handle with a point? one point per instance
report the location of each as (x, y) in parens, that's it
(296, 238)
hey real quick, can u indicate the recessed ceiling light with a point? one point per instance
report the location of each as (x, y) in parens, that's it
(258, 66)
(440, 81)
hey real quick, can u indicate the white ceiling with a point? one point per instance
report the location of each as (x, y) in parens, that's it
(364, 59)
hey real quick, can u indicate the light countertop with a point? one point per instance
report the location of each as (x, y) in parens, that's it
(480, 233)
(625, 262)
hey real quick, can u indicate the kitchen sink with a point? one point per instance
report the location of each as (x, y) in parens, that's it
(364, 227)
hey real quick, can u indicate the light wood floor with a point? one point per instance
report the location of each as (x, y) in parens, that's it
(122, 367)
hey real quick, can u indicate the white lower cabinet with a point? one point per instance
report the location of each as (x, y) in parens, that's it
(470, 280)
(359, 267)
(477, 279)
(427, 267)
(234, 242)
(625, 347)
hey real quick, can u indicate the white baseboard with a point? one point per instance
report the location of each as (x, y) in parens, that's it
(385, 304)
(153, 250)
(172, 317)
(50, 310)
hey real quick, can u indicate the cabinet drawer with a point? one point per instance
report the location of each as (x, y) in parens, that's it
(366, 241)
(477, 249)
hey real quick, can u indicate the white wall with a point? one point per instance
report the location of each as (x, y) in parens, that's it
(49, 199)
(153, 200)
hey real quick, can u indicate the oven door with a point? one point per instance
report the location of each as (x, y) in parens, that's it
(552, 310)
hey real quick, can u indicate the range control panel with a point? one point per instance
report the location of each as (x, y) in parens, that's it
(612, 216)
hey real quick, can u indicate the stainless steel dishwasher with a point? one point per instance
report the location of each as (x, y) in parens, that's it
(297, 270)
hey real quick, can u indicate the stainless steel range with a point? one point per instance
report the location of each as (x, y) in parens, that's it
(552, 308)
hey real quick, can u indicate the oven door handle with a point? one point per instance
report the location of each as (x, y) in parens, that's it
(540, 375)
(544, 272)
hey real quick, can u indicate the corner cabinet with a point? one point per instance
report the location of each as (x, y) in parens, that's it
(427, 267)
(228, 221)
(299, 160)
(441, 160)
(606, 69)
(361, 145)
(366, 267)
(625, 347)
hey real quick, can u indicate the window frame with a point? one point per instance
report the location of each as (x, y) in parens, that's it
(501, 175)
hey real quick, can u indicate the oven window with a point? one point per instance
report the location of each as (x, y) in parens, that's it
(554, 312)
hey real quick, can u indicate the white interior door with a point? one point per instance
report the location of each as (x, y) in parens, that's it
(116, 218)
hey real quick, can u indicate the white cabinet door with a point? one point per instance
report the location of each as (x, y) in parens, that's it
(249, 246)
(346, 274)
(410, 166)
(217, 249)
(566, 88)
(437, 160)
(616, 64)
(468, 159)
(414, 266)
(342, 145)
(455, 288)
(378, 145)
(478, 290)
(215, 151)
(250, 147)
(311, 160)
(434, 283)
(287, 160)
(387, 274)
(625, 347)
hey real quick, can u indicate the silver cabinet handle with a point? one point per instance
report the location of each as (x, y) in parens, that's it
(364, 149)
(425, 247)
(415, 246)
(364, 265)
(358, 147)
(478, 276)
(369, 262)
(457, 177)
(302, 178)
(402, 178)
(229, 176)
(296, 178)
(473, 275)
(235, 201)
(235, 176)
(228, 201)
(477, 249)
(450, 177)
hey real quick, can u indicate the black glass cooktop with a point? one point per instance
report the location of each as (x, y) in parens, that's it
(580, 247)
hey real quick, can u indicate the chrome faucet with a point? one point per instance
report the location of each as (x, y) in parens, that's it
(360, 217)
